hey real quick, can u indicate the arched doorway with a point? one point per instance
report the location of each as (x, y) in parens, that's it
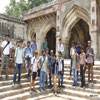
(80, 32)
(51, 39)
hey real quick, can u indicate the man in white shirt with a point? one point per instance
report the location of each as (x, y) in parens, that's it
(5, 55)
(19, 59)
(71, 55)
(60, 47)
(34, 67)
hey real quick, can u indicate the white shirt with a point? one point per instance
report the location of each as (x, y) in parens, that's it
(72, 51)
(60, 64)
(6, 51)
(34, 62)
(19, 54)
(60, 48)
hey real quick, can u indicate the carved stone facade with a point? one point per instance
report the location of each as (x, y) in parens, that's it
(72, 19)
(14, 27)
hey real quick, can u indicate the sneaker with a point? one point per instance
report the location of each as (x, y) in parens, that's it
(31, 92)
(74, 85)
(7, 77)
(13, 84)
(34, 90)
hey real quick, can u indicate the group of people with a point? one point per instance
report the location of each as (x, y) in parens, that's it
(48, 67)
(80, 61)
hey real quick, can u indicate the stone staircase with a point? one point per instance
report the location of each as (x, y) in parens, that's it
(7, 92)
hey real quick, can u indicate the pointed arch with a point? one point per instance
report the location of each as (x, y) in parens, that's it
(71, 18)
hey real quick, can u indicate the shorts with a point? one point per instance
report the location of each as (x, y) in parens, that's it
(34, 75)
(5, 63)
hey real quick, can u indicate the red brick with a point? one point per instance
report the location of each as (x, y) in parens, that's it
(93, 22)
(93, 9)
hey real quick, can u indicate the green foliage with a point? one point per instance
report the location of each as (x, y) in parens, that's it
(17, 9)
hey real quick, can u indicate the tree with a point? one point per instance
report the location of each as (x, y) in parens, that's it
(17, 9)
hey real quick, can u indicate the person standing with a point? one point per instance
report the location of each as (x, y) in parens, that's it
(55, 73)
(90, 61)
(71, 55)
(45, 44)
(78, 47)
(82, 67)
(28, 56)
(49, 64)
(33, 47)
(43, 65)
(75, 66)
(50, 67)
(5, 55)
(34, 67)
(60, 70)
(19, 59)
(60, 47)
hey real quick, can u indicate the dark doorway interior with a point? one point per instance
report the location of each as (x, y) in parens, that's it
(80, 32)
(51, 39)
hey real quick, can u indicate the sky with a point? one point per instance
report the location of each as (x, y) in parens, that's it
(3, 3)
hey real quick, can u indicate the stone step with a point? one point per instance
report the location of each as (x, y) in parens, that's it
(78, 88)
(81, 94)
(9, 87)
(26, 95)
(9, 82)
(68, 97)
(67, 81)
(94, 67)
(41, 97)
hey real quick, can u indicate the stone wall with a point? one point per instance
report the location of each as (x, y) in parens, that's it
(12, 26)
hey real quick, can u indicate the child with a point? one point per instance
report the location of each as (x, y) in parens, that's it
(55, 72)
(82, 67)
(75, 67)
(34, 67)
(60, 70)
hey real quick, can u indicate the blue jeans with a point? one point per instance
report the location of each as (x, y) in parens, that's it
(28, 60)
(42, 79)
(71, 67)
(75, 76)
(50, 81)
(60, 79)
(18, 68)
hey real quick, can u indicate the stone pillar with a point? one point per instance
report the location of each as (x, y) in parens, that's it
(57, 26)
(93, 29)
(39, 42)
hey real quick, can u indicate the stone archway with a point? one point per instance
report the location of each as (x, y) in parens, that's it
(51, 39)
(79, 32)
(71, 21)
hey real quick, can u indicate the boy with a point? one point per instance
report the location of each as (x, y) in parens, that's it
(5, 55)
(90, 61)
(60, 70)
(75, 67)
(34, 67)
(71, 55)
(44, 68)
(19, 59)
(28, 55)
(82, 67)
(55, 72)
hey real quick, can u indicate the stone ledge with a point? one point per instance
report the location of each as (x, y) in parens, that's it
(3, 16)
(41, 7)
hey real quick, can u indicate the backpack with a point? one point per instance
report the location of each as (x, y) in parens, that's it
(78, 49)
